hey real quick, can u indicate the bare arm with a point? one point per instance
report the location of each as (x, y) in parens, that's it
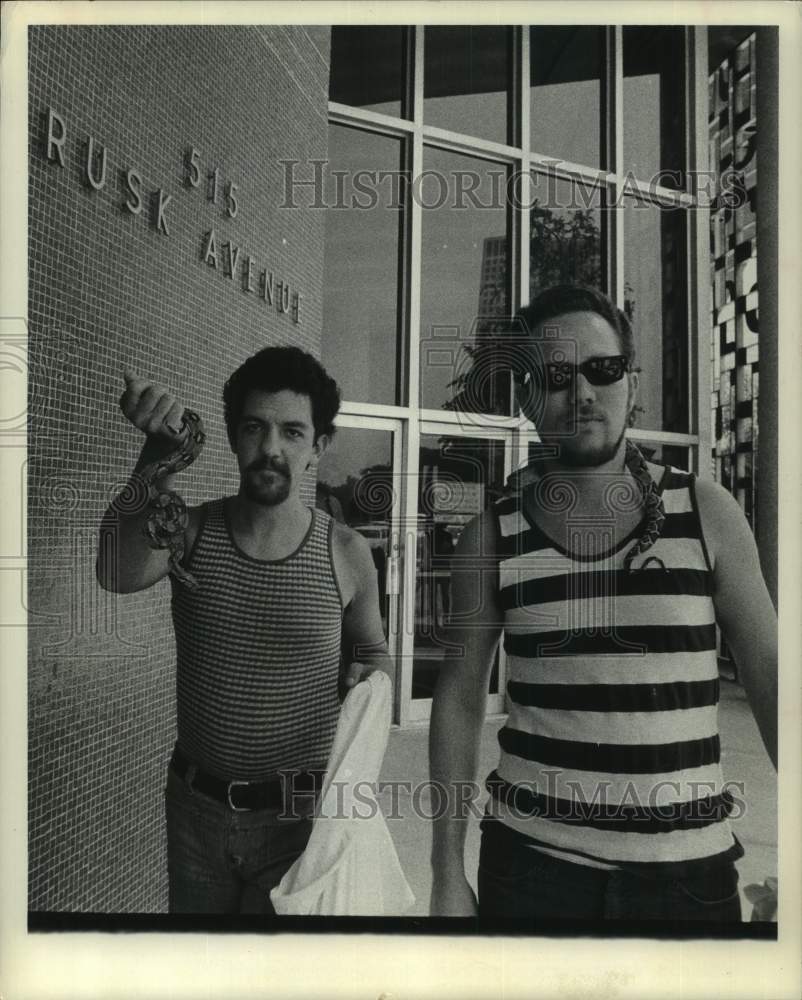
(126, 562)
(363, 641)
(458, 710)
(744, 610)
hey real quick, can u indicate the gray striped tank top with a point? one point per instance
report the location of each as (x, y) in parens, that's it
(258, 653)
(611, 749)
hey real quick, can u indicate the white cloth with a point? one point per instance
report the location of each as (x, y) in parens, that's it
(350, 867)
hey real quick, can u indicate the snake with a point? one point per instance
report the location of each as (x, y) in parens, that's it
(167, 519)
(654, 508)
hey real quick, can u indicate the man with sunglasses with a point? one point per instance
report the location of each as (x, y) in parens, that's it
(606, 575)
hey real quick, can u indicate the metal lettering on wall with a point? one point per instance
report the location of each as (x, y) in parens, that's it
(252, 276)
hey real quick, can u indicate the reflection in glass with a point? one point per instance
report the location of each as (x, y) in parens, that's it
(458, 479)
(654, 104)
(655, 299)
(466, 80)
(368, 68)
(566, 72)
(565, 241)
(355, 486)
(464, 277)
(361, 265)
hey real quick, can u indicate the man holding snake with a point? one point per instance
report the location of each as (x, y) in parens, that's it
(607, 576)
(269, 599)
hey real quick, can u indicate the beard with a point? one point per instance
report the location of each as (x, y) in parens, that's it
(576, 454)
(267, 492)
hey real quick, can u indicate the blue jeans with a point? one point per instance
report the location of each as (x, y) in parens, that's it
(222, 861)
(518, 881)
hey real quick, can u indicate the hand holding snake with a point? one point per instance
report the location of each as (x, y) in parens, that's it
(175, 439)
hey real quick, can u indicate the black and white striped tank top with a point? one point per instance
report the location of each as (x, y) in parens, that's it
(610, 753)
(258, 653)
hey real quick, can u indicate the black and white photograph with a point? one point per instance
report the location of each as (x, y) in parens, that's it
(394, 418)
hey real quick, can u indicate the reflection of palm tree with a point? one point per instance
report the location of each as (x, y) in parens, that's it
(563, 249)
(365, 497)
(371, 494)
(326, 499)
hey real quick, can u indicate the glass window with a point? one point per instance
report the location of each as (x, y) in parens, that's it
(565, 103)
(361, 286)
(565, 235)
(655, 299)
(466, 80)
(654, 104)
(468, 274)
(459, 477)
(355, 486)
(464, 277)
(368, 68)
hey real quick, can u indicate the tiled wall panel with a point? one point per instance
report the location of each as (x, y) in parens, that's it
(108, 289)
(733, 250)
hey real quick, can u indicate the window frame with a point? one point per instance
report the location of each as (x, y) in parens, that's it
(520, 157)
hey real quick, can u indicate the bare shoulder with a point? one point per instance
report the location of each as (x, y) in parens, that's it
(479, 537)
(194, 521)
(717, 506)
(349, 545)
(475, 612)
(353, 562)
(724, 524)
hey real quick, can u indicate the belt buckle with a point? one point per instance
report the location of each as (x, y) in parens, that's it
(231, 805)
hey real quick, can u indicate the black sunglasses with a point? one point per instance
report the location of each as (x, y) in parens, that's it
(598, 371)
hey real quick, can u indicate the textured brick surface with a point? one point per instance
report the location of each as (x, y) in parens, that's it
(108, 290)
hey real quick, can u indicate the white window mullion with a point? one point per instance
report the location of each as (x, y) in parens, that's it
(699, 291)
(615, 133)
(372, 121)
(524, 214)
(411, 436)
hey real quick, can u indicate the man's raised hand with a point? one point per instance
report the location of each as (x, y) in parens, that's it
(152, 409)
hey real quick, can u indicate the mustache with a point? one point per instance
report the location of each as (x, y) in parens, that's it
(267, 465)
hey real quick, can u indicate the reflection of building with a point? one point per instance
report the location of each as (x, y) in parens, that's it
(733, 232)
(564, 247)
(493, 277)
(674, 354)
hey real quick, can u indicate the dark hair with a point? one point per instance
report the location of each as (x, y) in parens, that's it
(273, 369)
(562, 299)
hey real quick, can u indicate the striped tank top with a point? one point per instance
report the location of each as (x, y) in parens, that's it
(610, 754)
(258, 653)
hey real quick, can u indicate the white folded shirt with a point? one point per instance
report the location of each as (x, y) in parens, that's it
(350, 866)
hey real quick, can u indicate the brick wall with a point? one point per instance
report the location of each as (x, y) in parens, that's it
(109, 289)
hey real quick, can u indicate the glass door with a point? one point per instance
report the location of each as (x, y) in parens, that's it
(459, 475)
